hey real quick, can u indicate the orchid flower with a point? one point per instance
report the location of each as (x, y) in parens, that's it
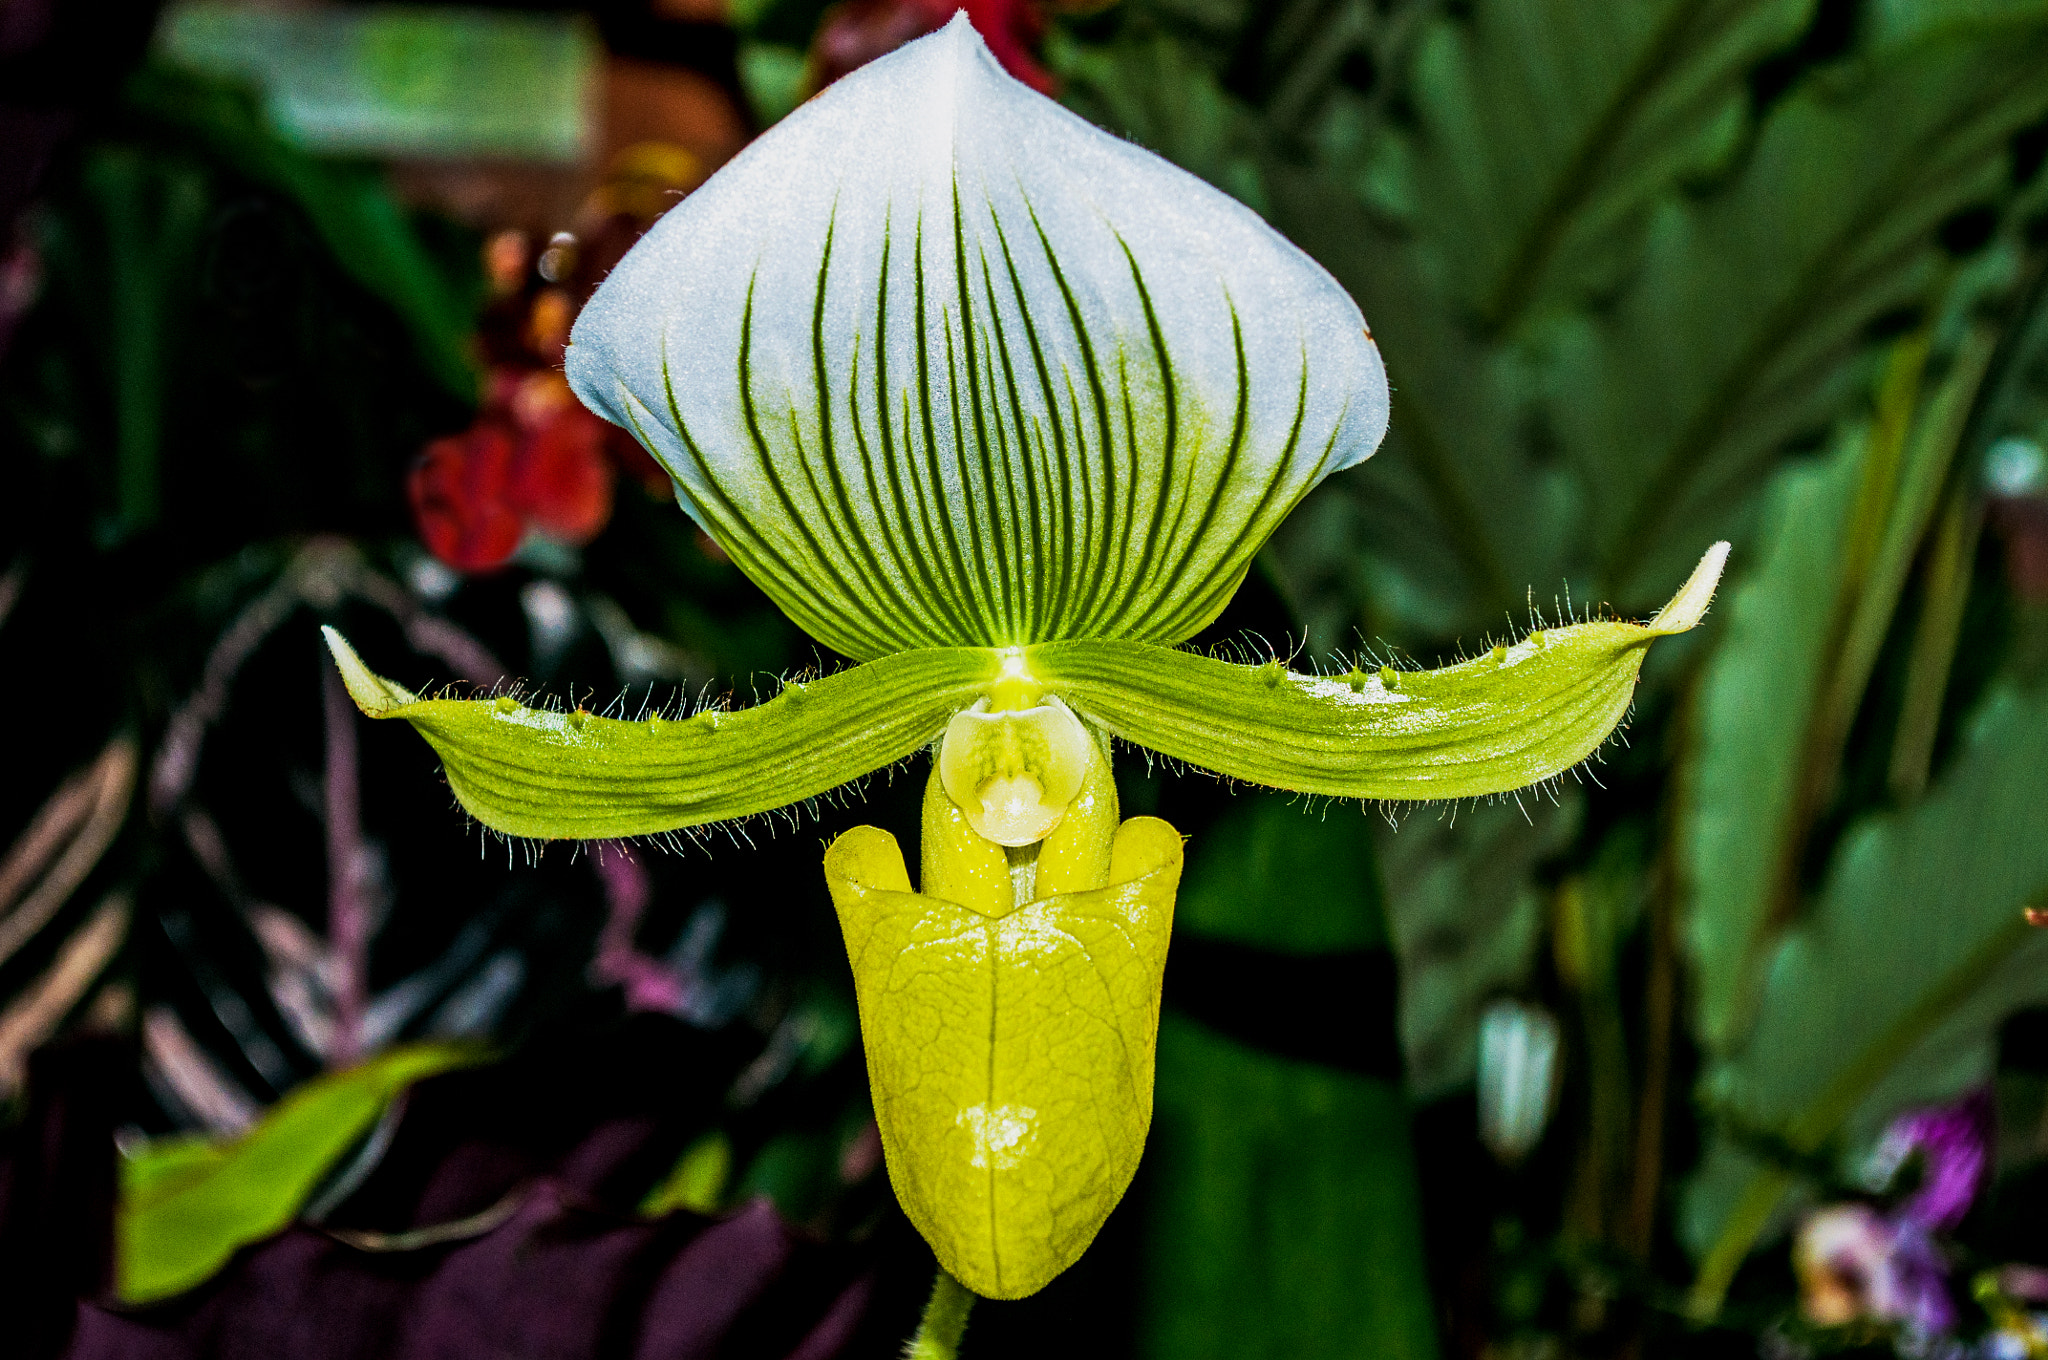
(1855, 1262)
(1001, 407)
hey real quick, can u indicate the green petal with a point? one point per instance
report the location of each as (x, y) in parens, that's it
(1010, 1056)
(1499, 722)
(938, 363)
(557, 775)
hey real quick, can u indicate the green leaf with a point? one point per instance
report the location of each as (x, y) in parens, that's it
(1740, 330)
(1467, 912)
(1502, 721)
(1900, 21)
(1778, 699)
(552, 774)
(1286, 1221)
(939, 364)
(1273, 876)
(697, 1182)
(1891, 992)
(188, 1205)
(1283, 1218)
(1547, 128)
(1756, 703)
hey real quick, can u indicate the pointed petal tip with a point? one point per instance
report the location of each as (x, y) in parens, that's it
(966, 40)
(373, 694)
(1685, 609)
(955, 43)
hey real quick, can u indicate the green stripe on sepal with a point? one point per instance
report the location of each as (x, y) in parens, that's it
(572, 775)
(1502, 721)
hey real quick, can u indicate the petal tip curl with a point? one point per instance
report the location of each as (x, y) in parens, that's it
(373, 694)
(1684, 610)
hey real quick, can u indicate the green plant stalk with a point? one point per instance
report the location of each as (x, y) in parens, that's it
(1585, 945)
(945, 1321)
(1821, 1120)
(152, 218)
(1931, 449)
(1945, 591)
(1308, 77)
(1910, 453)
(1660, 1002)
(1745, 1224)
(1820, 753)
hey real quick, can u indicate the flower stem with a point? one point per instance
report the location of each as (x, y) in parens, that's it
(945, 1321)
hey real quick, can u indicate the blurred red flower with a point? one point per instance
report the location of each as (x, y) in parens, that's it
(561, 478)
(534, 460)
(461, 501)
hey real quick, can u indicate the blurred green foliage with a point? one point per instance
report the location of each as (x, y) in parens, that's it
(1646, 274)
(187, 1204)
(1284, 1217)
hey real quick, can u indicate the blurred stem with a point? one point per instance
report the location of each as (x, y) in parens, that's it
(1331, 38)
(116, 178)
(1638, 1231)
(945, 1321)
(1745, 1224)
(1898, 529)
(1601, 1166)
(1584, 940)
(1907, 464)
(348, 924)
(1946, 590)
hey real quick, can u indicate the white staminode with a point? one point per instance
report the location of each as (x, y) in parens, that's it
(938, 363)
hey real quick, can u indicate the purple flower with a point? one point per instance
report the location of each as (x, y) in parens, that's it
(1953, 1143)
(1855, 1262)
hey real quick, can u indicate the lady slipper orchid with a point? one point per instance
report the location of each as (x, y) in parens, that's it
(1001, 407)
